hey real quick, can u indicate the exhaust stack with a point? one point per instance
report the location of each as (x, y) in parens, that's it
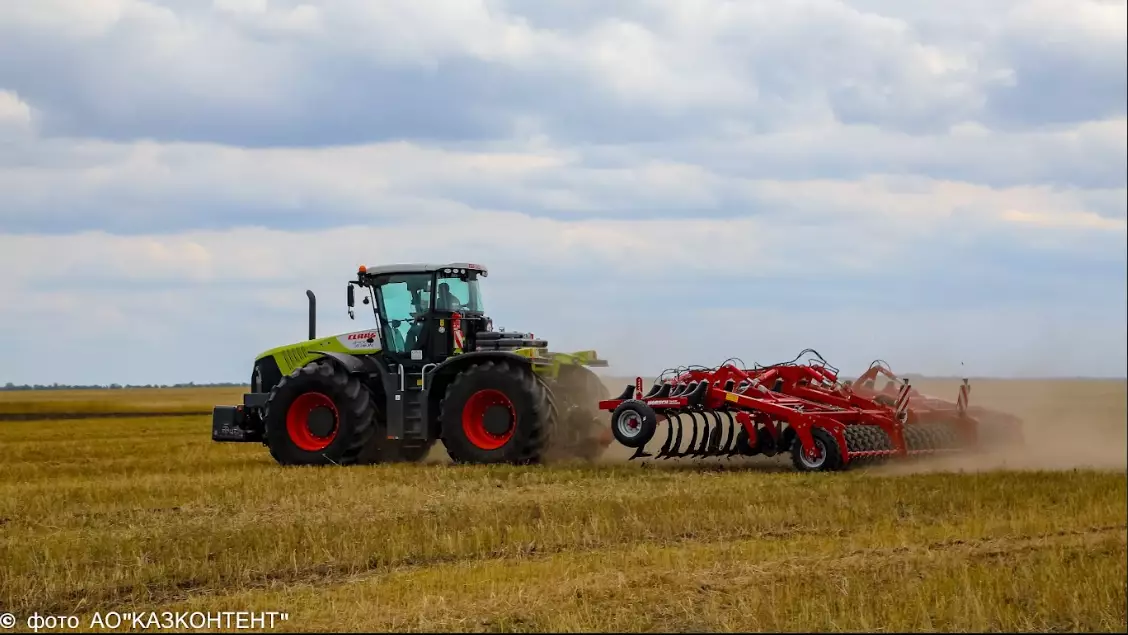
(312, 314)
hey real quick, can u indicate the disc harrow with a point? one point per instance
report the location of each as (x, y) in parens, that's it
(826, 424)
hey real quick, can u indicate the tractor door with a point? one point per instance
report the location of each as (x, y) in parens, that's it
(403, 303)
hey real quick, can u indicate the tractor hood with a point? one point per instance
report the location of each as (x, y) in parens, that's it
(291, 356)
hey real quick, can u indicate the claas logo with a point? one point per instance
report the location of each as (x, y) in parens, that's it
(364, 336)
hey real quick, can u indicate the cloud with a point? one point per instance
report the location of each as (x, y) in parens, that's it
(352, 71)
(930, 183)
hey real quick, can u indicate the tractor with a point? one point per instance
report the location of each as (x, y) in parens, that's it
(433, 368)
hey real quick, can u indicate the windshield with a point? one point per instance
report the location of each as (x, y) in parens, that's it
(404, 298)
(456, 294)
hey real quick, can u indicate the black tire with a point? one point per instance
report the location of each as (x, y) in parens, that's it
(318, 389)
(496, 394)
(830, 459)
(633, 424)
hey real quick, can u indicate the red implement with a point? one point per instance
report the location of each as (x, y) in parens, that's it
(804, 409)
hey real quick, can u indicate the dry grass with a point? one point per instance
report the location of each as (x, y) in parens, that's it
(125, 400)
(132, 514)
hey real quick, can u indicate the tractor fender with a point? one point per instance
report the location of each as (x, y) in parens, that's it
(453, 365)
(362, 365)
(440, 376)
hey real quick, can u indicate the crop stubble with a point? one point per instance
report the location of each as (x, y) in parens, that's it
(139, 513)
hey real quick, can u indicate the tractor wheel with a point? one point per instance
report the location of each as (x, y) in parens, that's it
(319, 415)
(581, 429)
(495, 412)
(827, 455)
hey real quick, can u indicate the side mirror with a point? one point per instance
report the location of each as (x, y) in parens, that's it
(351, 302)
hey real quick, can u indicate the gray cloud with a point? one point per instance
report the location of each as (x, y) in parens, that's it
(342, 72)
(934, 182)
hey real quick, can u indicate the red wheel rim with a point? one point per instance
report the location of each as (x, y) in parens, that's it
(474, 419)
(297, 421)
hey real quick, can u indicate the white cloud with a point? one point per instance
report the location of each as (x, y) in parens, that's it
(15, 115)
(670, 182)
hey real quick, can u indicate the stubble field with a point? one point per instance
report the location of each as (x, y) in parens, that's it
(138, 513)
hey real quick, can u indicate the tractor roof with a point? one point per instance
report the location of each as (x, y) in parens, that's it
(423, 268)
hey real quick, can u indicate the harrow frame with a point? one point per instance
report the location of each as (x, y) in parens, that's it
(826, 424)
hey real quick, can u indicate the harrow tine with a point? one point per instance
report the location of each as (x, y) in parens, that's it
(717, 437)
(693, 439)
(664, 453)
(706, 438)
(675, 445)
(639, 454)
(703, 447)
(693, 450)
(734, 437)
(723, 439)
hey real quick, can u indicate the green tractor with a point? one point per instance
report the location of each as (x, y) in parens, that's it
(432, 369)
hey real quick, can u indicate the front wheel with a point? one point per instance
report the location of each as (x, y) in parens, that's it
(319, 415)
(495, 412)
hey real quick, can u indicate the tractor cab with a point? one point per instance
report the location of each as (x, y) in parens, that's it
(425, 313)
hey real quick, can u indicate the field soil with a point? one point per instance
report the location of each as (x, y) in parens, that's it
(145, 513)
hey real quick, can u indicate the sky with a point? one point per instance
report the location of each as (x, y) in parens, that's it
(939, 184)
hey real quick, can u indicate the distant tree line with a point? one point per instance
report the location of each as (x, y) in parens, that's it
(12, 386)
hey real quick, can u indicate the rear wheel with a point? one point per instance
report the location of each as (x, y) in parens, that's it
(825, 457)
(495, 412)
(318, 415)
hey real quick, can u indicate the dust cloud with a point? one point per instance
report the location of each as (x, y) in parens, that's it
(1066, 424)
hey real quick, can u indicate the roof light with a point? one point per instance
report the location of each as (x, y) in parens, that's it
(362, 269)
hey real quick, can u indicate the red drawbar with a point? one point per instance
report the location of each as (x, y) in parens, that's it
(297, 421)
(474, 419)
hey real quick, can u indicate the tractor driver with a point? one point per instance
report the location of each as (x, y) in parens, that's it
(445, 300)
